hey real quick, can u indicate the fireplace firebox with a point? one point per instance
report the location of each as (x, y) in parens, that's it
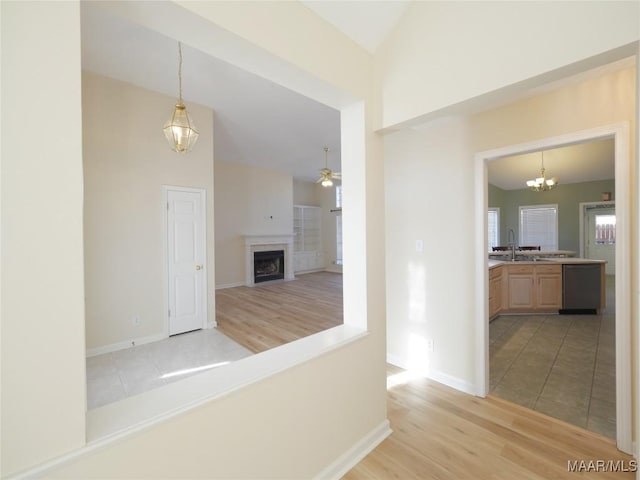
(268, 266)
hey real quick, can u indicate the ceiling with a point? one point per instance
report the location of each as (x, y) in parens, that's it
(577, 163)
(257, 122)
(260, 123)
(366, 22)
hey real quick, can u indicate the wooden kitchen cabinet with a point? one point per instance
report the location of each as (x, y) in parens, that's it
(533, 288)
(520, 291)
(548, 287)
(495, 291)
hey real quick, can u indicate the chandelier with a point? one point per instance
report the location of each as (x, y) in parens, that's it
(180, 130)
(542, 184)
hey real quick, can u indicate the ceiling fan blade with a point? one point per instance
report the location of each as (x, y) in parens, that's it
(319, 180)
(336, 175)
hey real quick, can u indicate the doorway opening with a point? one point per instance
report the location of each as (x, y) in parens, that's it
(622, 323)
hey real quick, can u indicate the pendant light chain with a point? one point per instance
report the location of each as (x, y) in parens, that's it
(180, 72)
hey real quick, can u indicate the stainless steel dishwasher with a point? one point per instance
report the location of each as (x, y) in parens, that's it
(581, 287)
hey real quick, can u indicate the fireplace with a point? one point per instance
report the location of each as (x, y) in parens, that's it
(268, 243)
(268, 265)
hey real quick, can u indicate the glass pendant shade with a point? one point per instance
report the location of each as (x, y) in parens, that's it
(180, 130)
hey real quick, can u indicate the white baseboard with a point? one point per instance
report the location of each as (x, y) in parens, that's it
(349, 459)
(212, 324)
(114, 347)
(314, 270)
(229, 285)
(453, 382)
(436, 375)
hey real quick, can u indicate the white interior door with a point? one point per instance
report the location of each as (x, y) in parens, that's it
(186, 257)
(600, 236)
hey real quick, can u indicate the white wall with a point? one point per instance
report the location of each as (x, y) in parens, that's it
(319, 409)
(306, 193)
(43, 387)
(249, 201)
(430, 295)
(126, 162)
(444, 52)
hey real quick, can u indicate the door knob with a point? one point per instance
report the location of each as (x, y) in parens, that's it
(198, 267)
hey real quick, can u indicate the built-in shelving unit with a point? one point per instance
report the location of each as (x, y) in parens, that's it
(307, 241)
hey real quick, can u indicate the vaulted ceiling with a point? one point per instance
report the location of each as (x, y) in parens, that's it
(260, 123)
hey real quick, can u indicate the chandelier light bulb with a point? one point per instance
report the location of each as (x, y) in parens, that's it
(541, 184)
(327, 182)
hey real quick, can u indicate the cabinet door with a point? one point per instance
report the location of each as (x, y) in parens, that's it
(549, 290)
(495, 296)
(521, 293)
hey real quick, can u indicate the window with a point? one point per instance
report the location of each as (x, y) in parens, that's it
(493, 226)
(339, 225)
(605, 229)
(539, 226)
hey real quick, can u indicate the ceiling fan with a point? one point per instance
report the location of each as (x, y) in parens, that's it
(326, 174)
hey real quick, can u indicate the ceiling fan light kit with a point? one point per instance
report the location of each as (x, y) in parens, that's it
(326, 174)
(541, 183)
(180, 130)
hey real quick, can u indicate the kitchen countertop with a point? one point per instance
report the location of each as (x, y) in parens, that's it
(546, 261)
(534, 253)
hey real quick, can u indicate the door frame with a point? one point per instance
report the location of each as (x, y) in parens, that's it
(620, 133)
(583, 207)
(165, 254)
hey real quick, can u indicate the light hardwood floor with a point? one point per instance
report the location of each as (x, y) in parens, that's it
(264, 317)
(440, 433)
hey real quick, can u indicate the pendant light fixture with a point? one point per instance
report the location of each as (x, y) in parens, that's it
(326, 174)
(542, 184)
(180, 130)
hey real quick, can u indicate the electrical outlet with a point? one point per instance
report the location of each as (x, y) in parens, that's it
(136, 321)
(430, 345)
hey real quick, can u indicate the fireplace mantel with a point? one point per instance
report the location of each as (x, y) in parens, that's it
(261, 243)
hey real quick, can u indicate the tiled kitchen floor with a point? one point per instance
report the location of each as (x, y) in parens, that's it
(560, 365)
(114, 376)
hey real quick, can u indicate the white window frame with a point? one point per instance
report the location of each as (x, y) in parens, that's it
(522, 234)
(495, 210)
(339, 225)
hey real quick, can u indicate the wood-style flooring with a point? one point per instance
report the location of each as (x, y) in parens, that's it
(264, 317)
(440, 433)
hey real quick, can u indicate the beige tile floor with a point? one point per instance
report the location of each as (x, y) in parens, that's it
(560, 365)
(117, 375)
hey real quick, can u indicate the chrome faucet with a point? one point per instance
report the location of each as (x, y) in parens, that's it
(511, 241)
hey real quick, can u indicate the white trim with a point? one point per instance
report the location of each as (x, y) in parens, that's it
(165, 257)
(620, 133)
(435, 375)
(114, 347)
(120, 420)
(453, 382)
(582, 206)
(229, 285)
(349, 459)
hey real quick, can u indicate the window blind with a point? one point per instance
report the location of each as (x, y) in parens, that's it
(493, 227)
(539, 226)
